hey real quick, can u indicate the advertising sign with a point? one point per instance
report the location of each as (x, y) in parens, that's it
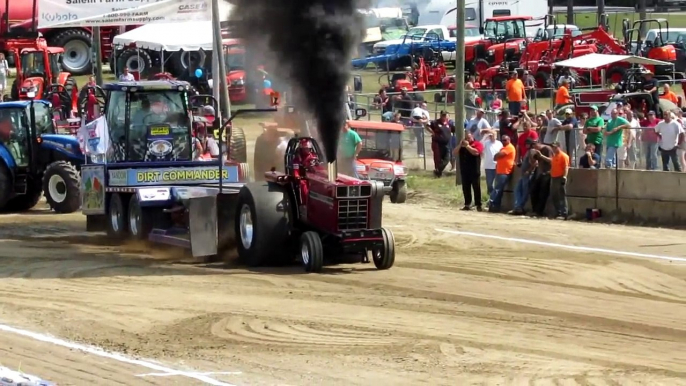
(100, 13)
(173, 176)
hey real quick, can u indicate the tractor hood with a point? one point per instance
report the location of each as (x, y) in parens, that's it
(379, 169)
(236, 78)
(37, 83)
(63, 143)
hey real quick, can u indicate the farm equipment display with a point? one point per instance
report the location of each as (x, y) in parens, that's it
(38, 70)
(34, 159)
(403, 55)
(428, 71)
(381, 157)
(314, 214)
(18, 21)
(657, 49)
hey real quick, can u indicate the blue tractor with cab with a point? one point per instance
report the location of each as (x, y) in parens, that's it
(35, 160)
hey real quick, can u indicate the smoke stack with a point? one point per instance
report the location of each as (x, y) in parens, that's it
(332, 169)
(312, 42)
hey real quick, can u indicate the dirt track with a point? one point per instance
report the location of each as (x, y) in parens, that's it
(455, 310)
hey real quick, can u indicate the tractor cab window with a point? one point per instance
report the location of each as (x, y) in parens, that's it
(234, 57)
(436, 33)
(32, 64)
(505, 30)
(116, 124)
(380, 144)
(14, 134)
(158, 116)
(44, 123)
(55, 66)
(415, 33)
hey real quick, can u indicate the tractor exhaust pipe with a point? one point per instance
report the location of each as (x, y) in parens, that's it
(332, 171)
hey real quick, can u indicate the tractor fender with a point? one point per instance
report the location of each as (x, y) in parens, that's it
(62, 78)
(7, 159)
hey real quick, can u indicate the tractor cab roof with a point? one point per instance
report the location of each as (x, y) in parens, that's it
(509, 18)
(21, 104)
(51, 50)
(148, 85)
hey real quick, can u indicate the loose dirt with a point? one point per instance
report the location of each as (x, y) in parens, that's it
(455, 310)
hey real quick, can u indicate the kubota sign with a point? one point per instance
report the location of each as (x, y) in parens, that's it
(92, 13)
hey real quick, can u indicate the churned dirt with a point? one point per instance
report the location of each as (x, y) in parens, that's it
(455, 309)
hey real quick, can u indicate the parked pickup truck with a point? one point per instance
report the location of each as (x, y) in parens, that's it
(430, 33)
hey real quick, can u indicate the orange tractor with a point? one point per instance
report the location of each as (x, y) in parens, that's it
(40, 75)
(504, 40)
(657, 49)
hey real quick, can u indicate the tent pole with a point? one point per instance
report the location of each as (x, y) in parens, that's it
(97, 66)
(162, 61)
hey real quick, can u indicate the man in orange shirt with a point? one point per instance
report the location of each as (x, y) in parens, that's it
(562, 96)
(516, 94)
(559, 167)
(669, 94)
(504, 164)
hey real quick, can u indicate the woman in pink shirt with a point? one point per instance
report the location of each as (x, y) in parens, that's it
(496, 103)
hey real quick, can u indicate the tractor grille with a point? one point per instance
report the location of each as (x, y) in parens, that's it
(352, 214)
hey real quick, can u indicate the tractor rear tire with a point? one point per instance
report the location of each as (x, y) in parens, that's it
(141, 59)
(24, 202)
(79, 43)
(140, 219)
(238, 149)
(72, 89)
(263, 223)
(384, 256)
(398, 193)
(5, 185)
(117, 226)
(312, 252)
(62, 187)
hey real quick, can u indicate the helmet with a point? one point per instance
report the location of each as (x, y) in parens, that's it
(305, 144)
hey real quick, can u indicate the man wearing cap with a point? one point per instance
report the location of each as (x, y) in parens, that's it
(569, 127)
(478, 125)
(527, 134)
(441, 133)
(594, 130)
(420, 118)
(614, 137)
(562, 95)
(559, 168)
(671, 134)
(553, 128)
(651, 86)
(516, 93)
(650, 139)
(505, 162)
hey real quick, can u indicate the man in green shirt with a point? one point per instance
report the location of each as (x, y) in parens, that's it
(614, 134)
(594, 130)
(349, 146)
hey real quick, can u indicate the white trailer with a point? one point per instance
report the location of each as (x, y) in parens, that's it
(477, 11)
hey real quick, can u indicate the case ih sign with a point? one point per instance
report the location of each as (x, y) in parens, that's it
(93, 13)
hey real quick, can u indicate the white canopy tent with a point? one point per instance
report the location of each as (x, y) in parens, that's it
(593, 61)
(186, 36)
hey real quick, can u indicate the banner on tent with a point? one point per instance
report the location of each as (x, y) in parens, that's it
(94, 13)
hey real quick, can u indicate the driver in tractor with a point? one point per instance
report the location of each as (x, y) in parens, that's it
(305, 159)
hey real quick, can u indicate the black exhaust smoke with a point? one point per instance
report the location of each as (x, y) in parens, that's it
(311, 43)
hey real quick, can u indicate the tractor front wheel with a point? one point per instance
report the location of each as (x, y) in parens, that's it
(62, 187)
(311, 251)
(398, 193)
(384, 255)
(140, 219)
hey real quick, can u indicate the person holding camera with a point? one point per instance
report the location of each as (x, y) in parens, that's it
(469, 153)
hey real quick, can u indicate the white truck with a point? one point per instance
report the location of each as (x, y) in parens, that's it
(428, 33)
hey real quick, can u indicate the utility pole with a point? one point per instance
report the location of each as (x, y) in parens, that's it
(97, 65)
(601, 11)
(570, 12)
(459, 82)
(218, 52)
(642, 14)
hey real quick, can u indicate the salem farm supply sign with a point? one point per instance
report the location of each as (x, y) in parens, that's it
(100, 13)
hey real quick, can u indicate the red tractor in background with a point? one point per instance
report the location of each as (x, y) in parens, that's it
(504, 40)
(39, 72)
(428, 71)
